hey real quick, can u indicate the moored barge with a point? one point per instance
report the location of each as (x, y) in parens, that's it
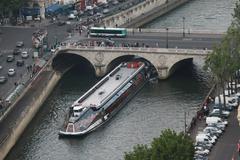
(105, 98)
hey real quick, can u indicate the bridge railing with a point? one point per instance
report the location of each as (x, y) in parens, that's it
(202, 52)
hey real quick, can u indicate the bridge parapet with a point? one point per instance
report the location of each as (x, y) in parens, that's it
(198, 52)
(161, 58)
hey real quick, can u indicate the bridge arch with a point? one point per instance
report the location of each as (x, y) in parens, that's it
(64, 61)
(102, 59)
(179, 64)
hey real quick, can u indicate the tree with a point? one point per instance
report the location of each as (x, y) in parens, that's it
(10, 8)
(140, 152)
(169, 145)
(172, 146)
(218, 63)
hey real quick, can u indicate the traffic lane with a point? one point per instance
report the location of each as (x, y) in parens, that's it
(161, 43)
(21, 71)
(174, 34)
(11, 35)
(226, 146)
(172, 42)
(56, 32)
(175, 37)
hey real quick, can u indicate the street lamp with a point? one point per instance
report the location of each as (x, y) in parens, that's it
(183, 18)
(166, 37)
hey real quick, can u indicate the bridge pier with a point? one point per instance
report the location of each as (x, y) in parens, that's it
(100, 69)
(162, 72)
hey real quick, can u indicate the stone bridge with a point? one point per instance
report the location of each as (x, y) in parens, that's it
(165, 61)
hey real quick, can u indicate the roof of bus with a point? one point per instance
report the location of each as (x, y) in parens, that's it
(102, 28)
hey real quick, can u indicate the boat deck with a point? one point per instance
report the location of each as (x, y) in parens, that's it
(108, 87)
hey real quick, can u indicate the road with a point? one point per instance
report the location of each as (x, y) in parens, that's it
(174, 40)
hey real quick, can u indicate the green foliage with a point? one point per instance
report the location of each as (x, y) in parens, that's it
(169, 146)
(236, 14)
(140, 152)
(11, 7)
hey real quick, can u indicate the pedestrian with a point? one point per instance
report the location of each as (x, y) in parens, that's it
(133, 31)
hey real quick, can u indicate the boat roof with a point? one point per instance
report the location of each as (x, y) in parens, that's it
(110, 83)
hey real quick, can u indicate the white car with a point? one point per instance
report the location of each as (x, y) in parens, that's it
(71, 16)
(201, 150)
(1, 67)
(212, 130)
(24, 54)
(11, 72)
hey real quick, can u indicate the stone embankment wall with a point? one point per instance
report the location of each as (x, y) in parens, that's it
(142, 13)
(24, 117)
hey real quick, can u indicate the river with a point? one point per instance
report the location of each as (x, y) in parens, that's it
(154, 108)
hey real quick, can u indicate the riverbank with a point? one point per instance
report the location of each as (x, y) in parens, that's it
(25, 108)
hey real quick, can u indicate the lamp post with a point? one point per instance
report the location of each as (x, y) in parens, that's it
(166, 37)
(183, 18)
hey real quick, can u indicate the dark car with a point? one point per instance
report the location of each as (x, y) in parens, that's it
(20, 62)
(3, 79)
(16, 51)
(61, 23)
(19, 44)
(10, 58)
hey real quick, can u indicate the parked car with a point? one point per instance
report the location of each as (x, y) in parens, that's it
(1, 67)
(220, 106)
(19, 44)
(3, 79)
(200, 157)
(213, 131)
(224, 113)
(218, 114)
(208, 144)
(11, 72)
(10, 58)
(208, 135)
(204, 145)
(201, 150)
(210, 120)
(218, 126)
(20, 62)
(24, 54)
(202, 137)
(16, 51)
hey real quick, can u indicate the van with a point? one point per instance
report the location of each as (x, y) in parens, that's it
(211, 120)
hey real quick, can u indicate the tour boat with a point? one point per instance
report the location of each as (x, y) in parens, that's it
(105, 98)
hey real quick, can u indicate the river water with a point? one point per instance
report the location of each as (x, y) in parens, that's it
(209, 15)
(154, 108)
